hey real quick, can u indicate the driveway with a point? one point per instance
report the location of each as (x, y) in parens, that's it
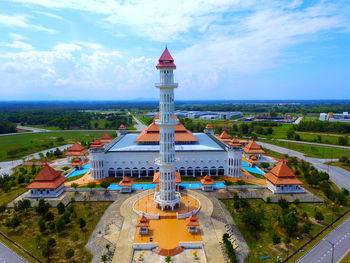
(8, 256)
(139, 126)
(322, 251)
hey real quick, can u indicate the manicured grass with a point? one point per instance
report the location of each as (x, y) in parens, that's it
(73, 178)
(257, 175)
(25, 144)
(346, 259)
(12, 194)
(25, 234)
(339, 164)
(314, 151)
(273, 154)
(263, 245)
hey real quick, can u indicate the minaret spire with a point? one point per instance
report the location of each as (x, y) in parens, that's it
(167, 197)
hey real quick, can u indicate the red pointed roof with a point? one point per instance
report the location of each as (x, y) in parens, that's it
(177, 177)
(192, 221)
(151, 134)
(77, 161)
(235, 142)
(106, 138)
(253, 147)
(126, 181)
(97, 143)
(209, 126)
(166, 60)
(76, 150)
(224, 136)
(207, 180)
(122, 127)
(282, 174)
(143, 221)
(48, 178)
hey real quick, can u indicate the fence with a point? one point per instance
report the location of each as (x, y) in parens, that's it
(191, 244)
(20, 248)
(145, 245)
(320, 233)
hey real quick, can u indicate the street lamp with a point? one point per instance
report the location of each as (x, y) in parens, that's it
(332, 247)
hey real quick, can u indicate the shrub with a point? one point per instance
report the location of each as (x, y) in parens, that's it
(60, 224)
(297, 201)
(51, 242)
(318, 215)
(283, 203)
(265, 165)
(345, 191)
(241, 182)
(49, 216)
(60, 208)
(276, 238)
(74, 237)
(22, 204)
(306, 228)
(69, 253)
(42, 225)
(42, 208)
(82, 222)
(268, 200)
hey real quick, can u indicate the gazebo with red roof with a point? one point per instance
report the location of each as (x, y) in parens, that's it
(209, 129)
(224, 137)
(143, 225)
(281, 180)
(48, 183)
(96, 144)
(235, 142)
(253, 148)
(192, 223)
(122, 130)
(207, 183)
(126, 185)
(77, 150)
(77, 163)
(106, 138)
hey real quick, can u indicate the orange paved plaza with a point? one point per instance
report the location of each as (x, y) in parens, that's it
(147, 205)
(168, 233)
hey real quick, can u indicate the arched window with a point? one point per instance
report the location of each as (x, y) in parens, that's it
(127, 171)
(197, 171)
(205, 171)
(111, 172)
(221, 170)
(150, 171)
(213, 170)
(119, 172)
(182, 171)
(135, 171)
(189, 171)
(143, 171)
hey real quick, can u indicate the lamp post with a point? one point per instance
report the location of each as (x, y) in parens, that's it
(332, 247)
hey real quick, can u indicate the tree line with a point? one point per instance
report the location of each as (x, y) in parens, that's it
(322, 126)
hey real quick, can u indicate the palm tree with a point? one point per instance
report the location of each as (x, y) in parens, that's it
(167, 259)
(104, 258)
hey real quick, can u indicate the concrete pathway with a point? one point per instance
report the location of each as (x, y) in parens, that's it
(139, 126)
(338, 175)
(322, 251)
(7, 255)
(298, 120)
(6, 167)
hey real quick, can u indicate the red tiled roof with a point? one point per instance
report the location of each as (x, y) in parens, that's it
(235, 142)
(281, 174)
(122, 127)
(207, 180)
(192, 221)
(47, 178)
(77, 161)
(126, 181)
(177, 177)
(143, 221)
(151, 134)
(166, 60)
(97, 143)
(106, 138)
(209, 126)
(76, 150)
(253, 147)
(223, 136)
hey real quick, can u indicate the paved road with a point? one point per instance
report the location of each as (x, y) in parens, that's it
(6, 167)
(315, 143)
(322, 251)
(33, 129)
(9, 256)
(338, 175)
(298, 120)
(139, 126)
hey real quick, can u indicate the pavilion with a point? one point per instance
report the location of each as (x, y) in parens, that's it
(253, 148)
(48, 183)
(77, 150)
(207, 183)
(281, 180)
(126, 185)
(143, 225)
(96, 144)
(106, 138)
(77, 163)
(224, 137)
(192, 223)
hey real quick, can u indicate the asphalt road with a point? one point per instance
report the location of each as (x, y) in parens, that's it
(6, 167)
(8, 256)
(139, 126)
(338, 175)
(322, 251)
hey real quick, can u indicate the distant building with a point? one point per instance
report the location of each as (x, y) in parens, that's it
(281, 180)
(207, 115)
(126, 185)
(335, 117)
(48, 183)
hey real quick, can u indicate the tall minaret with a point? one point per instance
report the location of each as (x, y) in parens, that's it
(167, 197)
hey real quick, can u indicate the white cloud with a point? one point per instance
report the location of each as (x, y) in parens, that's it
(19, 45)
(49, 15)
(21, 21)
(17, 36)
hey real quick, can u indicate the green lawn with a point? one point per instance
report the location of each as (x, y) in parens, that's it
(25, 234)
(263, 245)
(17, 146)
(314, 151)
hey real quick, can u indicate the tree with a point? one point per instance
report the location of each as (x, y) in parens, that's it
(51, 242)
(91, 185)
(49, 216)
(22, 204)
(42, 207)
(343, 140)
(66, 217)
(253, 220)
(167, 259)
(60, 208)
(60, 224)
(290, 134)
(105, 185)
(283, 203)
(82, 222)
(42, 225)
(69, 253)
(74, 185)
(276, 238)
(108, 246)
(290, 223)
(104, 258)
(318, 215)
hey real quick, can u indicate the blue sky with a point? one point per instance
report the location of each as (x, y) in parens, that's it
(223, 49)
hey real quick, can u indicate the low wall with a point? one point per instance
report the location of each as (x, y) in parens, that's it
(191, 244)
(145, 245)
(182, 216)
